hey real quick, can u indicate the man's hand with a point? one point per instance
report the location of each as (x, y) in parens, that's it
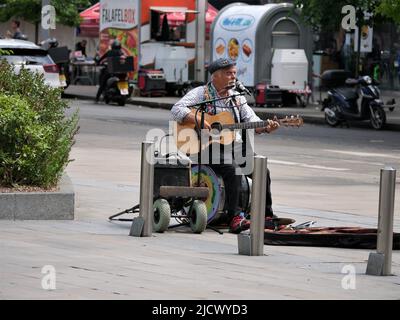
(190, 118)
(271, 126)
(206, 124)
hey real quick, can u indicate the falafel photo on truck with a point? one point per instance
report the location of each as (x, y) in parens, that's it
(119, 20)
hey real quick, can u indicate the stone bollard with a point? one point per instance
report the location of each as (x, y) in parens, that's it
(380, 263)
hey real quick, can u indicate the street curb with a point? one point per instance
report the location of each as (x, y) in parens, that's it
(76, 96)
(306, 119)
(262, 114)
(58, 205)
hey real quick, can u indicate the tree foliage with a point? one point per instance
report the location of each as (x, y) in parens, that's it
(328, 13)
(30, 10)
(35, 135)
(390, 9)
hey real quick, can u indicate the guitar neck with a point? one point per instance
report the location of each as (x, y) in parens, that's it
(245, 125)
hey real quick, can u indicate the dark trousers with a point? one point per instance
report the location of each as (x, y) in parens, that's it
(232, 185)
(104, 76)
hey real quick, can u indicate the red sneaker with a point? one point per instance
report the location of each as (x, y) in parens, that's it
(238, 224)
(270, 223)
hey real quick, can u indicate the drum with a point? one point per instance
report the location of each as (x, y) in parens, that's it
(215, 202)
(216, 198)
(245, 194)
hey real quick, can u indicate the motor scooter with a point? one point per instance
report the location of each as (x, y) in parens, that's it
(118, 88)
(343, 104)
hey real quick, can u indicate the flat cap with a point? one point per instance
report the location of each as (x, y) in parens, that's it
(220, 63)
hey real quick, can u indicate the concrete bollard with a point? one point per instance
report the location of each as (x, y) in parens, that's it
(253, 244)
(380, 263)
(143, 225)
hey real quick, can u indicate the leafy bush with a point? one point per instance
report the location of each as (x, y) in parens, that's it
(35, 136)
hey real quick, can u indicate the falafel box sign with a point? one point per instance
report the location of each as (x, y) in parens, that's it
(120, 14)
(119, 20)
(234, 37)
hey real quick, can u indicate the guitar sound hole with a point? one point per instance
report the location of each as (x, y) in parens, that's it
(216, 126)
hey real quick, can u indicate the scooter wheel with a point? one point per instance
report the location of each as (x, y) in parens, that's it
(121, 102)
(378, 118)
(332, 120)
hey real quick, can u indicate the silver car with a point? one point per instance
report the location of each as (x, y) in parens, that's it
(32, 57)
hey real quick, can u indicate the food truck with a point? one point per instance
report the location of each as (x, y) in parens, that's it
(272, 49)
(168, 39)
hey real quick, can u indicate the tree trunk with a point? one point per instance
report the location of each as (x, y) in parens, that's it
(358, 52)
(36, 32)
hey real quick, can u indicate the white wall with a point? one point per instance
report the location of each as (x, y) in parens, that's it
(64, 35)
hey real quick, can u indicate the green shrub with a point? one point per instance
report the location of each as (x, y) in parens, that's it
(35, 136)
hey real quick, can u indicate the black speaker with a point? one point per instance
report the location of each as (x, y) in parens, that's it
(59, 55)
(169, 173)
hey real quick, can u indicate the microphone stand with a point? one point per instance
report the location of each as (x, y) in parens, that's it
(201, 107)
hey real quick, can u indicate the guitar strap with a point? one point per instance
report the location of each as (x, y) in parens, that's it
(211, 108)
(209, 93)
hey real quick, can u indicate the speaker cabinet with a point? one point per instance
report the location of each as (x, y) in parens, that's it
(176, 174)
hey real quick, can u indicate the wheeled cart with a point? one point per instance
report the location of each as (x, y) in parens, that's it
(174, 197)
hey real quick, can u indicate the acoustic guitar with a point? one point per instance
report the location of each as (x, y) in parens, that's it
(222, 132)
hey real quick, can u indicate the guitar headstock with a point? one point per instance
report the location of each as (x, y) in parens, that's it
(291, 121)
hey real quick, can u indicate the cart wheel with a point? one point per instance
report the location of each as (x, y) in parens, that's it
(162, 215)
(198, 220)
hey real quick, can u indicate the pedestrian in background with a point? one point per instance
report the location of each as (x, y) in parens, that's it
(16, 32)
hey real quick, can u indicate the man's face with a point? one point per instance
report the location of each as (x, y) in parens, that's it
(225, 77)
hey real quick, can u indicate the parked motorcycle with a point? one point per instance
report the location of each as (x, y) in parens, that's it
(343, 102)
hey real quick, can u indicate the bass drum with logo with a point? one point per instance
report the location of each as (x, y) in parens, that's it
(216, 200)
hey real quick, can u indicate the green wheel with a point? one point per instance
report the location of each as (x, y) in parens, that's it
(198, 220)
(162, 215)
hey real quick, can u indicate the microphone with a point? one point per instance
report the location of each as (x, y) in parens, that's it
(241, 88)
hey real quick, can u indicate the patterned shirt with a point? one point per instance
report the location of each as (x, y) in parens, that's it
(244, 113)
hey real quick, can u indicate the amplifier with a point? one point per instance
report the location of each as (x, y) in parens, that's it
(171, 172)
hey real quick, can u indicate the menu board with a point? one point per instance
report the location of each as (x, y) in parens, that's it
(234, 38)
